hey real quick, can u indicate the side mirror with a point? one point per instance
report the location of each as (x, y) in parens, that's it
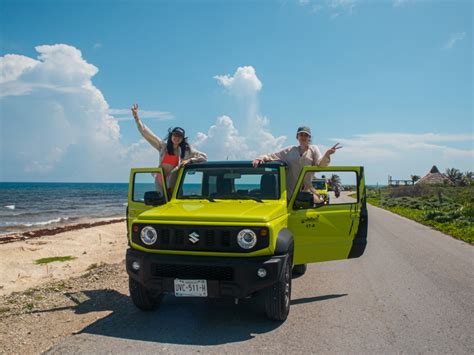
(304, 200)
(154, 198)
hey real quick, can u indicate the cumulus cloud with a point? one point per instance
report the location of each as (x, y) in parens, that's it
(223, 142)
(454, 39)
(243, 83)
(246, 136)
(56, 124)
(403, 154)
(13, 66)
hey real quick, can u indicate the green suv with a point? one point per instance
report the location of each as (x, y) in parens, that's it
(231, 230)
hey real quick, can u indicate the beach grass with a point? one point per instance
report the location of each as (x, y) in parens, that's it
(54, 259)
(447, 209)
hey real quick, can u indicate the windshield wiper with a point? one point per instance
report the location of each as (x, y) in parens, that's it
(251, 198)
(198, 198)
(232, 197)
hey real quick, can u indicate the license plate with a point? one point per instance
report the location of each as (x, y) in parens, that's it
(190, 288)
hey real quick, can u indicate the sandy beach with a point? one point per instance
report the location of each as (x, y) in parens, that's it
(88, 245)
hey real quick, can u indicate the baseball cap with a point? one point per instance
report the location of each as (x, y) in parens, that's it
(304, 129)
(178, 130)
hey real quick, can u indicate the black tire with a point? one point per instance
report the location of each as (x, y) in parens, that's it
(143, 298)
(278, 296)
(299, 270)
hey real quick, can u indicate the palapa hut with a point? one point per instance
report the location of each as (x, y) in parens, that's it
(434, 177)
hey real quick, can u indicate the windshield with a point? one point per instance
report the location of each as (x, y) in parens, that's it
(319, 184)
(230, 183)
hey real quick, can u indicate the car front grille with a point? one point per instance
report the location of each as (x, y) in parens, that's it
(192, 272)
(209, 238)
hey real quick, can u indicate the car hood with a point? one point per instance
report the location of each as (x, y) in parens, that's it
(219, 211)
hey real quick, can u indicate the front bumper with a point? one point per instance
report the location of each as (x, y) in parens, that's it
(226, 276)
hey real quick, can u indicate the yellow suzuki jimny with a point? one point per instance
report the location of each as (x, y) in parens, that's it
(231, 230)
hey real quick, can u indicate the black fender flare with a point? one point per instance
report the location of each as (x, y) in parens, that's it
(284, 243)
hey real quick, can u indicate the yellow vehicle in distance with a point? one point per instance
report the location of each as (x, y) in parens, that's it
(231, 230)
(321, 187)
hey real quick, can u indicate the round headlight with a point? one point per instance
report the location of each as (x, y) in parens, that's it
(148, 235)
(246, 239)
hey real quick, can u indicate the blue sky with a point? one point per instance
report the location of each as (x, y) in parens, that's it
(391, 80)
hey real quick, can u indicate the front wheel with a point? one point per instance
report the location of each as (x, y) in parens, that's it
(143, 298)
(299, 270)
(278, 296)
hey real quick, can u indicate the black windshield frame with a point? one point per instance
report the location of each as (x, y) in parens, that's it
(231, 172)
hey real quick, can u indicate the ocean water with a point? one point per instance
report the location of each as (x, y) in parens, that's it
(27, 206)
(30, 206)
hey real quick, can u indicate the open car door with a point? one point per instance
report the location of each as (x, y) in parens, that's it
(328, 227)
(146, 189)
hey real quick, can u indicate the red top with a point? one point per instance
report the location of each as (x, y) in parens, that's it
(170, 159)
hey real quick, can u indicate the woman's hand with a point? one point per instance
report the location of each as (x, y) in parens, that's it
(332, 150)
(257, 162)
(185, 162)
(135, 112)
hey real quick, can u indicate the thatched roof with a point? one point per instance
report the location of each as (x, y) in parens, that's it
(434, 177)
(434, 170)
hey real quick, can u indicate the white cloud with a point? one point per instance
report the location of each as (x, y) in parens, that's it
(224, 140)
(454, 38)
(59, 68)
(159, 115)
(403, 154)
(13, 66)
(58, 123)
(244, 83)
(57, 126)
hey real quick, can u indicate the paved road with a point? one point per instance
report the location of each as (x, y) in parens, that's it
(411, 292)
(344, 197)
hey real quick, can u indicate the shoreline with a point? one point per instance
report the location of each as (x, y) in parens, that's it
(43, 232)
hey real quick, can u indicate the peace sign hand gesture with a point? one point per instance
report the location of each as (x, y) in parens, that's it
(135, 112)
(332, 150)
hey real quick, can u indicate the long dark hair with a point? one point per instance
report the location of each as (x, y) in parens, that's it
(184, 145)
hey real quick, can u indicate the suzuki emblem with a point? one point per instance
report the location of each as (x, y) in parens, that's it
(194, 237)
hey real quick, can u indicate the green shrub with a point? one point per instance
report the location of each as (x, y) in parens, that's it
(467, 209)
(447, 209)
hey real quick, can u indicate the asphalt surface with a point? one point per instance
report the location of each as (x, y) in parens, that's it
(411, 292)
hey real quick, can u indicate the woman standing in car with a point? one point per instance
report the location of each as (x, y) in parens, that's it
(174, 152)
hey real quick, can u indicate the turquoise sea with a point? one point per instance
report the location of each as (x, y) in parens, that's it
(26, 206)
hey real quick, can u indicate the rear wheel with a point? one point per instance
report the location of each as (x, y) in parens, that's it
(278, 296)
(143, 298)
